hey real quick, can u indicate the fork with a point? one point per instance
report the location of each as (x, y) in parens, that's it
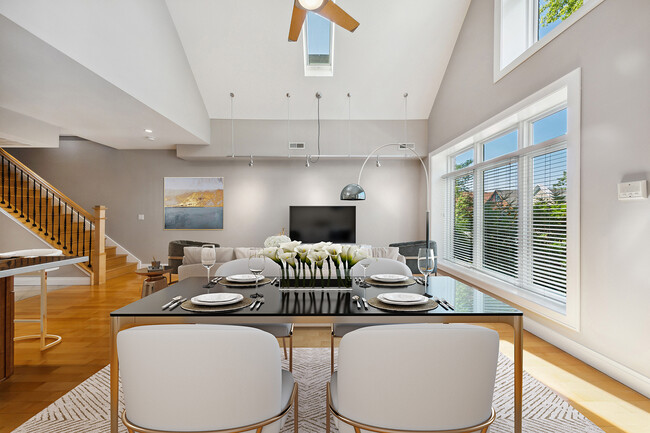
(440, 303)
(255, 298)
(260, 301)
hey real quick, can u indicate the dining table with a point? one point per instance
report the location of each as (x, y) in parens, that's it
(317, 306)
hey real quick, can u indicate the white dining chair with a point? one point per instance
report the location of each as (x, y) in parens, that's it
(377, 266)
(203, 378)
(416, 377)
(279, 330)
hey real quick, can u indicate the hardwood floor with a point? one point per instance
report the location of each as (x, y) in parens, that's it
(80, 315)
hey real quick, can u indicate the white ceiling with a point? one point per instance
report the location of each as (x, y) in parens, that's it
(241, 47)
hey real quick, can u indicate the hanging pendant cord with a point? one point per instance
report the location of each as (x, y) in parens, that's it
(318, 96)
(232, 125)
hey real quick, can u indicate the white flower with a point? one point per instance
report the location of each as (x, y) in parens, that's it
(302, 251)
(348, 251)
(360, 254)
(289, 258)
(333, 249)
(290, 246)
(321, 245)
(318, 256)
(271, 253)
(275, 241)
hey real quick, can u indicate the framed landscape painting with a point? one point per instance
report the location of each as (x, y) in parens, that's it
(193, 203)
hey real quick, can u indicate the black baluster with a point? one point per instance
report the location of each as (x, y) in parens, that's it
(47, 199)
(8, 185)
(22, 194)
(83, 239)
(78, 221)
(26, 199)
(58, 225)
(65, 225)
(71, 229)
(90, 247)
(3, 178)
(15, 189)
(33, 202)
(40, 207)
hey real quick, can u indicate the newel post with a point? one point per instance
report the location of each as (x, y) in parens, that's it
(99, 246)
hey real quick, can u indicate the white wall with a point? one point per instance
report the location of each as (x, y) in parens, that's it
(610, 44)
(27, 130)
(256, 200)
(131, 44)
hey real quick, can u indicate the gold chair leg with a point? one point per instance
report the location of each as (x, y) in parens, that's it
(284, 346)
(332, 352)
(295, 413)
(327, 414)
(291, 353)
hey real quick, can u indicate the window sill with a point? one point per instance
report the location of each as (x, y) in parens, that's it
(550, 310)
(499, 72)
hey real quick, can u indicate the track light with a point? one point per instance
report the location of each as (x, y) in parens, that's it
(307, 161)
(250, 163)
(378, 163)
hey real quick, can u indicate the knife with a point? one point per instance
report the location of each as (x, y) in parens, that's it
(441, 303)
(448, 304)
(174, 299)
(365, 303)
(177, 303)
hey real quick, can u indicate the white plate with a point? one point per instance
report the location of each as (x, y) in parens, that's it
(217, 299)
(402, 298)
(244, 278)
(389, 278)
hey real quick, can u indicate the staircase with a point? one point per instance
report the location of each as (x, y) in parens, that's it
(52, 216)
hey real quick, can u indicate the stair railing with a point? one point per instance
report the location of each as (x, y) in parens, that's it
(53, 215)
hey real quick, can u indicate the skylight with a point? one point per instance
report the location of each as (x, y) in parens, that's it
(319, 44)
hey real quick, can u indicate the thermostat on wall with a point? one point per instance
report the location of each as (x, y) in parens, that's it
(633, 190)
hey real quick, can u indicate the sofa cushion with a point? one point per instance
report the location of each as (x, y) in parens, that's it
(192, 255)
(242, 252)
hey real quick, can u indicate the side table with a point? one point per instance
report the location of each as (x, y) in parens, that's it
(156, 279)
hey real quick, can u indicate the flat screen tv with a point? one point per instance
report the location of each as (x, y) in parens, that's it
(311, 224)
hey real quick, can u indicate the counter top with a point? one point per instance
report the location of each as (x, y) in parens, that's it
(24, 265)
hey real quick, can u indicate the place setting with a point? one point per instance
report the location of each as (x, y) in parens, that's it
(389, 280)
(216, 302)
(403, 301)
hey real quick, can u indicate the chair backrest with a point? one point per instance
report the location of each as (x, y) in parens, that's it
(382, 266)
(199, 377)
(418, 376)
(240, 266)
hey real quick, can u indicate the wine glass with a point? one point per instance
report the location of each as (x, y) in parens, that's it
(208, 259)
(256, 262)
(365, 263)
(426, 264)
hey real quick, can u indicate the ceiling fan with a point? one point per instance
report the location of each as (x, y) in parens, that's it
(325, 8)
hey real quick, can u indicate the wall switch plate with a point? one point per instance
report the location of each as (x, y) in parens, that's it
(140, 217)
(295, 145)
(406, 146)
(637, 189)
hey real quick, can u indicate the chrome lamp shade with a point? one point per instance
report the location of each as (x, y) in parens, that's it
(353, 192)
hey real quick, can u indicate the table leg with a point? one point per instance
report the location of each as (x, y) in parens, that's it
(518, 327)
(115, 375)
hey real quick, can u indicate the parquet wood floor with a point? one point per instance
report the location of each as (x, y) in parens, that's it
(80, 315)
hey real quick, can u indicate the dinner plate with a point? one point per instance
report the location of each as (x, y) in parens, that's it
(244, 278)
(217, 299)
(389, 278)
(402, 298)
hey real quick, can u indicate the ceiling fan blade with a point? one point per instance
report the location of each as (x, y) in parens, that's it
(297, 19)
(338, 16)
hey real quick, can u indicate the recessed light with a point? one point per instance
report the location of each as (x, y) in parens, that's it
(149, 137)
(148, 131)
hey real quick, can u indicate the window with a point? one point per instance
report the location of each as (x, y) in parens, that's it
(319, 45)
(524, 26)
(511, 204)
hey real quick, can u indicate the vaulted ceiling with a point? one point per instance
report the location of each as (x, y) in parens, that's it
(106, 70)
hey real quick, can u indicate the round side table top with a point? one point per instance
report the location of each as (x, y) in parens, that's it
(154, 272)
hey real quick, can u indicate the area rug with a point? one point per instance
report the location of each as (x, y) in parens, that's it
(86, 408)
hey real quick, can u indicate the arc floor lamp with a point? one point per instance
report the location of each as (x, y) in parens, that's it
(355, 191)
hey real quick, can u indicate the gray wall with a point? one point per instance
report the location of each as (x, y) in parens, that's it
(256, 199)
(610, 44)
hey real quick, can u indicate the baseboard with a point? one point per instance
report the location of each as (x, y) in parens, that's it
(615, 370)
(52, 281)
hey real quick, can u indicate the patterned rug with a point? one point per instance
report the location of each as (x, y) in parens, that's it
(85, 409)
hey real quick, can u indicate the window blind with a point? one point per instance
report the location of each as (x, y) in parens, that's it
(547, 234)
(501, 220)
(463, 227)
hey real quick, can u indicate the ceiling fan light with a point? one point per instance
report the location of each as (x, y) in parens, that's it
(311, 5)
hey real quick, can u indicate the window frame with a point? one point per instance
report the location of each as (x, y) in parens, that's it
(532, 42)
(318, 70)
(522, 116)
